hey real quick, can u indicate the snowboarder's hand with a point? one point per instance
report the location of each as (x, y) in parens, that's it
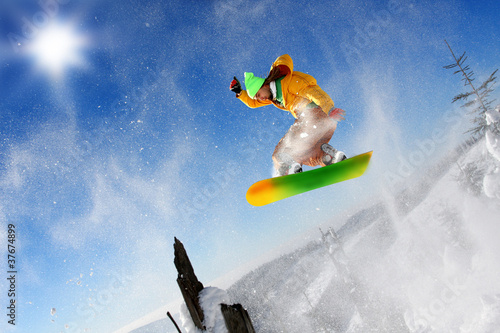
(336, 114)
(235, 86)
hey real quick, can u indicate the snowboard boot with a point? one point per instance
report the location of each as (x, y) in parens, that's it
(286, 169)
(332, 155)
(295, 168)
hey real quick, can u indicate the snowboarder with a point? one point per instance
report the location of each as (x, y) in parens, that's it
(306, 142)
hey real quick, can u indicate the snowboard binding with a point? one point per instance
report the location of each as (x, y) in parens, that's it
(289, 169)
(332, 155)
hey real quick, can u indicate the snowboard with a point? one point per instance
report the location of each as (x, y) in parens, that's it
(274, 189)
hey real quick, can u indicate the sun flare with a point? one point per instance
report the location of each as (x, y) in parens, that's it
(57, 47)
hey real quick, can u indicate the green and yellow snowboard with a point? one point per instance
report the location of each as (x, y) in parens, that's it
(273, 189)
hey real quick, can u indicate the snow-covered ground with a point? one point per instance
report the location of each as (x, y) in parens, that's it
(426, 259)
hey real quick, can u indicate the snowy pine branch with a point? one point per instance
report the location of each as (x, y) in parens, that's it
(462, 96)
(481, 94)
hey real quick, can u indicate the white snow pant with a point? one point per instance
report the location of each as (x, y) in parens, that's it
(302, 143)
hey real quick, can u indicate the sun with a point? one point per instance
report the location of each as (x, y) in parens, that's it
(57, 47)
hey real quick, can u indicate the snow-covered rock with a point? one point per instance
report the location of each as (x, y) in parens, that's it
(491, 184)
(491, 181)
(492, 139)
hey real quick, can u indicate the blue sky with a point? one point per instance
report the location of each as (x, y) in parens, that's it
(138, 139)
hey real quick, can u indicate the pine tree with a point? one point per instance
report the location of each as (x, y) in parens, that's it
(470, 177)
(481, 101)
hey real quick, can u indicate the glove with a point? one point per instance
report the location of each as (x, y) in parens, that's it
(235, 86)
(336, 114)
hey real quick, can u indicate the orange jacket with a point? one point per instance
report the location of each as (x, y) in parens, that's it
(298, 89)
